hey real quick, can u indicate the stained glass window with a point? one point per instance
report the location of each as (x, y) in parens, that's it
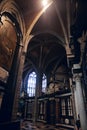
(32, 84)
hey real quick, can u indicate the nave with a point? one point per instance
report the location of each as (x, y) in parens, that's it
(43, 64)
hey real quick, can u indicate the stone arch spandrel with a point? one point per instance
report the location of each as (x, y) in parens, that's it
(12, 8)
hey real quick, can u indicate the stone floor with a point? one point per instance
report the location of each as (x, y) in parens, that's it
(26, 125)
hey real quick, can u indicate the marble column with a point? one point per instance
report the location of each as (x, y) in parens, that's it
(79, 99)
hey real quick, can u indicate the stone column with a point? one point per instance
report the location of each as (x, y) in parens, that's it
(44, 109)
(25, 111)
(73, 101)
(8, 99)
(19, 79)
(37, 94)
(18, 87)
(40, 83)
(57, 111)
(36, 102)
(79, 99)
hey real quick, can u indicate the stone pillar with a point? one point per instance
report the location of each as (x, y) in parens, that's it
(36, 102)
(73, 101)
(57, 111)
(79, 99)
(40, 83)
(18, 87)
(37, 94)
(45, 109)
(19, 79)
(8, 99)
(25, 111)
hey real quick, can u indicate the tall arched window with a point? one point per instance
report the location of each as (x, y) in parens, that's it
(32, 84)
(44, 83)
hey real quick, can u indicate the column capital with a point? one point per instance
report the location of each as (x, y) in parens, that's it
(76, 66)
(77, 70)
(77, 76)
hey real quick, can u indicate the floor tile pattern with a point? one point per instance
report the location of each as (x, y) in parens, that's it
(26, 125)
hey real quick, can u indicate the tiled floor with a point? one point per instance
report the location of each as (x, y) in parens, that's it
(26, 125)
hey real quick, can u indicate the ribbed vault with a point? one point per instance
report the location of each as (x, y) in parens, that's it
(45, 52)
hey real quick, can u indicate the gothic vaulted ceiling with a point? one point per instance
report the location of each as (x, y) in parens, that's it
(50, 31)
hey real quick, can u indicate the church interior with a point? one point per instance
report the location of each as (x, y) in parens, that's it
(43, 70)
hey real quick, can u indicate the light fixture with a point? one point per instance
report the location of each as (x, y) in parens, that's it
(44, 2)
